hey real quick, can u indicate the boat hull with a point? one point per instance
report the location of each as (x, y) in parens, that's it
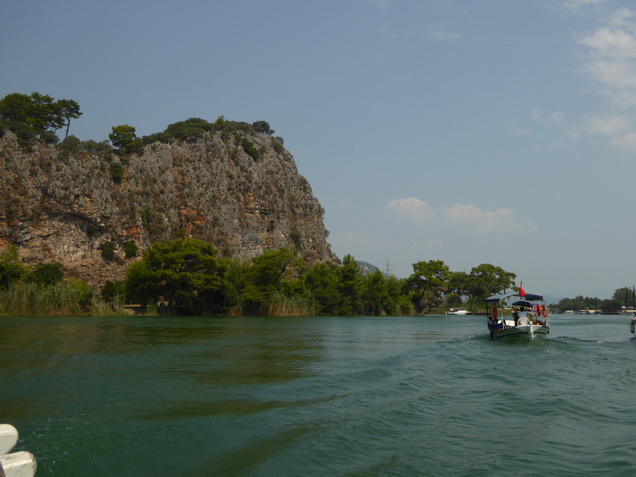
(528, 331)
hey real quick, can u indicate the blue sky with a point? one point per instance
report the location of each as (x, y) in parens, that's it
(472, 132)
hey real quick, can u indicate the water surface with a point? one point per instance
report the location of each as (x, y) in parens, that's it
(319, 396)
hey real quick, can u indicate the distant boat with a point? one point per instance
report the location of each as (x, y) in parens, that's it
(457, 311)
(529, 316)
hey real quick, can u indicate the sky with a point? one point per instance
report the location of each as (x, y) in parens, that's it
(490, 131)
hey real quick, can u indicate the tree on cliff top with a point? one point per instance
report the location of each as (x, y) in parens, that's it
(37, 115)
(124, 139)
(263, 126)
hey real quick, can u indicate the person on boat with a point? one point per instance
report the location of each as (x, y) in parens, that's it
(494, 315)
(515, 315)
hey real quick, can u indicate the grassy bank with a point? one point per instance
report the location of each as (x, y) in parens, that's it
(33, 299)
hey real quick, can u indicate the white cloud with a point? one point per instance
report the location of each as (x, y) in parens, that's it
(521, 132)
(621, 17)
(625, 142)
(611, 63)
(607, 125)
(382, 4)
(412, 209)
(463, 213)
(612, 51)
(468, 217)
(611, 42)
(581, 3)
(550, 118)
(439, 32)
(486, 222)
(556, 117)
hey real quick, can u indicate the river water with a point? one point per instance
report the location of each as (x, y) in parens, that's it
(405, 396)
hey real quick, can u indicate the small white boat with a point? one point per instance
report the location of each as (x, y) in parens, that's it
(457, 311)
(16, 464)
(632, 324)
(529, 316)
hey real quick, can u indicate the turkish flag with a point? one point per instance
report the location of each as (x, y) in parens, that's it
(522, 292)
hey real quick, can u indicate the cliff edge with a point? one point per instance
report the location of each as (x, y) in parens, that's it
(68, 208)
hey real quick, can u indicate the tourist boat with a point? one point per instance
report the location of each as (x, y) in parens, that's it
(457, 311)
(529, 316)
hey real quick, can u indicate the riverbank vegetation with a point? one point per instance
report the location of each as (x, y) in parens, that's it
(190, 277)
(42, 291)
(623, 299)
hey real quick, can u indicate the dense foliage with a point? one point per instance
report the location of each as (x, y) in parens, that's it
(623, 299)
(187, 276)
(37, 115)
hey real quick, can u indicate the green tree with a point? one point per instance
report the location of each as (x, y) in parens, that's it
(249, 148)
(67, 110)
(116, 172)
(124, 139)
(71, 145)
(188, 129)
(130, 249)
(428, 285)
(46, 274)
(486, 280)
(458, 287)
(11, 268)
(322, 282)
(108, 250)
(375, 295)
(113, 292)
(625, 296)
(102, 149)
(349, 286)
(83, 292)
(185, 274)
(263, 126)
(29, 116)
(37, 115)
(264, 277)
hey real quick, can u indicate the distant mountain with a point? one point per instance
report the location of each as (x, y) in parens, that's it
(551, 300)
(366, 267)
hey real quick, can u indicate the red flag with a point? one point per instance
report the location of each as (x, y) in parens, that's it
(522, 292)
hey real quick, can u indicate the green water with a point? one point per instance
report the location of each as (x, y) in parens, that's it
(318, 396)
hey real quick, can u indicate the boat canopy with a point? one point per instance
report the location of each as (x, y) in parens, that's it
(528, 297)
(522, 303)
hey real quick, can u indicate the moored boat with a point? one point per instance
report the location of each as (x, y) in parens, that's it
(529, 316)
(457, 311)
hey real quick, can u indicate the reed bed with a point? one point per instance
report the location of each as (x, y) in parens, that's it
(283, 305)
(33, 299)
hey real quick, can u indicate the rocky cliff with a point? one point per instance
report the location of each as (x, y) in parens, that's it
(62, 207)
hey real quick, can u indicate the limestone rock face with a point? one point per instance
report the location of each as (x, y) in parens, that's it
(62, 207)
